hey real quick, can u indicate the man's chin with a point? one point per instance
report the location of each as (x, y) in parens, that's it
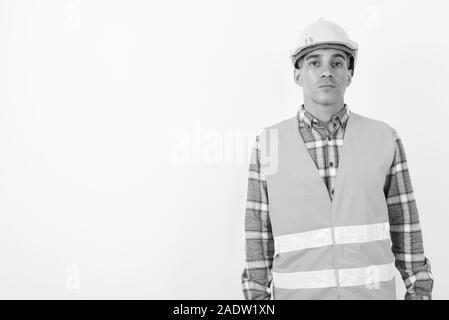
(327, 99)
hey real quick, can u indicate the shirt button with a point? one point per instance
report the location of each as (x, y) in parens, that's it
(329, 138)
(332, 191)
(331, 164)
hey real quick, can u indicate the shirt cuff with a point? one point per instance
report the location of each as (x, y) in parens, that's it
(417, 297)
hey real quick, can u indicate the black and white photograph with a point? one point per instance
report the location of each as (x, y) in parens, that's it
(224, 150)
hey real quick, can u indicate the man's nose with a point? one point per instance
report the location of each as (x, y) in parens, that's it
(326, 72)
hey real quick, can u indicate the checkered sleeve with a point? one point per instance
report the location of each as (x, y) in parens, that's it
(405, 230)
(259, 244)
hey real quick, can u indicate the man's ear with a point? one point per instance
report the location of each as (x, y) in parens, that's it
(349, 77)
(297, 76)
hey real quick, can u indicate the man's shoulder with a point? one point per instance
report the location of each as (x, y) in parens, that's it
(270, 133)
(376, 123)
(371, 120)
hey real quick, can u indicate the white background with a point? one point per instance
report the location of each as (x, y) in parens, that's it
(95, 95)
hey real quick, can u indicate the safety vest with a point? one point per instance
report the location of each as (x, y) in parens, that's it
(330, 249)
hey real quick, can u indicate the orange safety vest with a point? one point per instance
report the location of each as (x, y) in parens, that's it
(339, 249)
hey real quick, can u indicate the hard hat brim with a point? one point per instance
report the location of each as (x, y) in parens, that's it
(340, 45)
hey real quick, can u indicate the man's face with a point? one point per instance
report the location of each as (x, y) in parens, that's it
(324, 75)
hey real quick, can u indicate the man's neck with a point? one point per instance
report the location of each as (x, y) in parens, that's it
(324, 113)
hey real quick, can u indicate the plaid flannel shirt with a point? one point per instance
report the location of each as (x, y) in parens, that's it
(405, 230)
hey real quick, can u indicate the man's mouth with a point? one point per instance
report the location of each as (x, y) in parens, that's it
(326, 85)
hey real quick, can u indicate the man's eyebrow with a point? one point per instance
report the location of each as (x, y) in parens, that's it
(335, 55)
(312, 56)
(338, 55)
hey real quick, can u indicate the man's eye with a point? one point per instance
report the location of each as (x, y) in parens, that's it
(313, 63)
(338, 63)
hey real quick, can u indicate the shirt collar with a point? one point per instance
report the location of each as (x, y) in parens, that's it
(307, 119)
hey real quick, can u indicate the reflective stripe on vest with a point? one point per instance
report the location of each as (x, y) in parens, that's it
(327, 278)
(323, 237)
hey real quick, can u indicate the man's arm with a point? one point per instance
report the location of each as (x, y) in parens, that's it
(259, 244)
(405, 230)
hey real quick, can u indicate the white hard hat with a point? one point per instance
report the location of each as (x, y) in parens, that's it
(324, 34)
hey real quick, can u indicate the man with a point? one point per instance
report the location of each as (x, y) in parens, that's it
(333, 212)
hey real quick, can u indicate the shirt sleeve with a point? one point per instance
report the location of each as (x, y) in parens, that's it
(405, 229)
(256, 277)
